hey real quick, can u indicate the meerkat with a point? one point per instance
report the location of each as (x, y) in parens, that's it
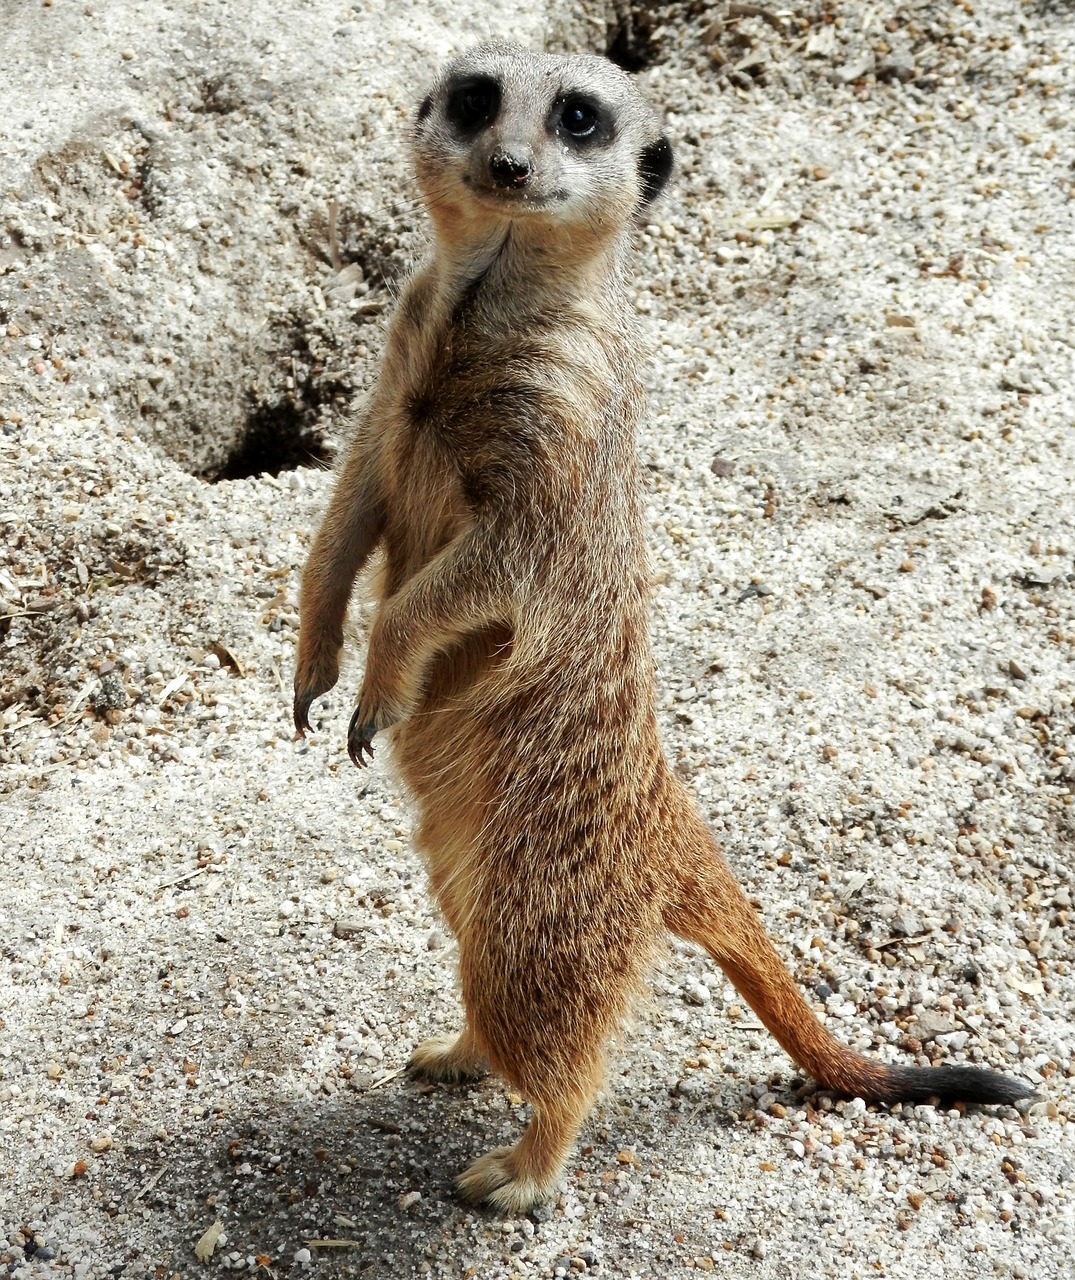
(495, 469)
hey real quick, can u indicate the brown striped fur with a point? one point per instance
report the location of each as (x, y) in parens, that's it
(495, 469)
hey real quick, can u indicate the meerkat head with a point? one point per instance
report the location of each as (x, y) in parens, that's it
(522, 136)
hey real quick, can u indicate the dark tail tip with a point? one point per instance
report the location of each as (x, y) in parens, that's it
(958, 1084)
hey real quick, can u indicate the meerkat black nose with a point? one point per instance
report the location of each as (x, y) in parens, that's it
(510, 168)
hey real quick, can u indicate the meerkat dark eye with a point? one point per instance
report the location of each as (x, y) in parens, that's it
(474, 104)
(578, 119)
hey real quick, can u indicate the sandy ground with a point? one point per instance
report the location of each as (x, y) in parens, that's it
(860, 458)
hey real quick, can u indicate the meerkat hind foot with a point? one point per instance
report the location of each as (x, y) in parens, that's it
(447, 1060)
(514, 1179)
(494, 1180)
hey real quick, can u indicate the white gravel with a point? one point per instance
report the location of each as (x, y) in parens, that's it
(217, 947)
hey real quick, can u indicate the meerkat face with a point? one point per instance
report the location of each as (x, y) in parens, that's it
(522, 135)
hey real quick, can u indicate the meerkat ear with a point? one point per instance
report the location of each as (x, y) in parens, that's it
(655, 168)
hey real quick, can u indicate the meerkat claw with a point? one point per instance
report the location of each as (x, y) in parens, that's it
(359, 740)
(301, 713)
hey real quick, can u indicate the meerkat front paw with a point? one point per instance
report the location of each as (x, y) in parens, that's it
(446, 1059)
(370, 717)
(316, 672)
(494, 1180)
(304, 700)
(359, 740)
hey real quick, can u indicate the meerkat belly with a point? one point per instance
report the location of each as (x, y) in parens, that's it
(560, 758)
(443, 749)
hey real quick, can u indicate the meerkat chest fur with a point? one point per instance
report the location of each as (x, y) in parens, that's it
(502, 373)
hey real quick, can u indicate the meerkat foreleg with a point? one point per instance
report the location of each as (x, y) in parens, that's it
(349, 532)
(463, 588)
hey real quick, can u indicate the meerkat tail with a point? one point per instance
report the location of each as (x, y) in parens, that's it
(713, 911)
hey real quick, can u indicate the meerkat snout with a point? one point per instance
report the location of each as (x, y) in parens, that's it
(511, 168)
